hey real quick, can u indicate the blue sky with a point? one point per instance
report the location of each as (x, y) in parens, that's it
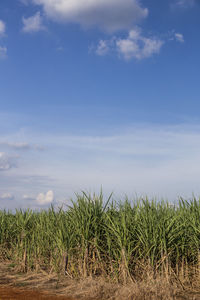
(98, 93)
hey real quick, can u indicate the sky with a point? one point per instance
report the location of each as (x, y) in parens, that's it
(98, 94)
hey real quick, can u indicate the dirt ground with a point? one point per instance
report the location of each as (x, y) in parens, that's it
(42, 285)
(32, 286)
(10, 293)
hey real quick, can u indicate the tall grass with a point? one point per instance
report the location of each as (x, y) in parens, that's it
(121, 241)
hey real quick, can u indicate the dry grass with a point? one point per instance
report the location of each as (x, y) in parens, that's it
(99, 288)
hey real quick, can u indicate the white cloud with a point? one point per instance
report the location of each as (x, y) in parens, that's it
(43, 199)
(3, 49)
(103, 47)
(137, 46)
(179, 37)
(3, 52)
(160, 160)
(183, 3)
(6, 162)
(109, 15)
(33, 23)
(6, 196)
(176, 36)
(16, 146)
(143, 158)
(134, 46)
(20, 146)
(2, 27)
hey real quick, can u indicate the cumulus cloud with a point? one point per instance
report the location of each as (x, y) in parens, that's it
(33, 23)
(104, 47)
(43, 199)
(6, 196)
(2, 27)
(134, 46)
(6, 162)
(137, 46)
(109, 15)
(179, 37)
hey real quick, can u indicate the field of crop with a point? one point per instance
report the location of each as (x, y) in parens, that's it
(122, 242)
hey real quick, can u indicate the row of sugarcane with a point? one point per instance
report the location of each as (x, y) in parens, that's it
(121, 240)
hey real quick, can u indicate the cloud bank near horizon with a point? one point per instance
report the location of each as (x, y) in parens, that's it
(147, 160)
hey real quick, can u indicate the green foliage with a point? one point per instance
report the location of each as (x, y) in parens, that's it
(97, 237)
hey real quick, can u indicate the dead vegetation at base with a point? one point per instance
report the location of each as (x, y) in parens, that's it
(97, 288)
